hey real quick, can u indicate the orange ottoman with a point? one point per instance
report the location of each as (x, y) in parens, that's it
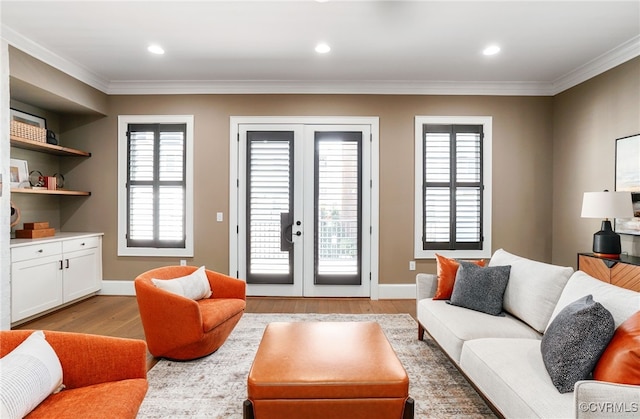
(341, 370)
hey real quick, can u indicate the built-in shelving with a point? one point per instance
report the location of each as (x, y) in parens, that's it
(47, 148)
(50, 192)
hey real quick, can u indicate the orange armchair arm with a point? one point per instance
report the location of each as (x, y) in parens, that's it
(224, 286)
(89, 359)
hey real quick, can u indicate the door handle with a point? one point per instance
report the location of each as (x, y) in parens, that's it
(286, 224)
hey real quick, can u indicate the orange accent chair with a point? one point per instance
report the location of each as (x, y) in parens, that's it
(104, 377)
(179, 328)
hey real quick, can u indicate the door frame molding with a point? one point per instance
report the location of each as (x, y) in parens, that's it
(234, 176)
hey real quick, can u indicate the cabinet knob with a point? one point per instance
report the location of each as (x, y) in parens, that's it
(82, 244)
(40, 250)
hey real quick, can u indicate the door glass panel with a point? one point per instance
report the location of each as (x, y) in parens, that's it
(269, 207)
(337, 208)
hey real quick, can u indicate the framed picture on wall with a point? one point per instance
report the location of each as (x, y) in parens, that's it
(628, 179)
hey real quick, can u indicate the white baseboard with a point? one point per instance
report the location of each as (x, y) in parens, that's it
(385, 291)
(117, 288)
(396, 291)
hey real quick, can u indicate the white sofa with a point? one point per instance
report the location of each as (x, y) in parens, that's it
(500, 355)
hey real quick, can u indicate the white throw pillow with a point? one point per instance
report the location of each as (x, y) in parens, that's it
(195, 286)
(533, 289)
(30, 373)
(621, 302)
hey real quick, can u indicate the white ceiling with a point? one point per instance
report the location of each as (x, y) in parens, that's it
(419, 47)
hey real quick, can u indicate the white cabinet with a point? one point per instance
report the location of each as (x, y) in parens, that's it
(36, 279)
(49, 273)
(82, 263)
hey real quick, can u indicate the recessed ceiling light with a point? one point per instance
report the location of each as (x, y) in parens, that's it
(155, 49)
(491, 50)
(322, 48)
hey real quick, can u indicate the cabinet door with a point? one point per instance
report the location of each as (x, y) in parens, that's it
(36, 286)
(82, 272)
(594, 267)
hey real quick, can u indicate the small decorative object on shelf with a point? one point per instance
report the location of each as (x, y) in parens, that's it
(51, 183)
(35, 230)
(19, 173)
(51, 137)
(36, 179)
(28, 126)
(59, 180)
(15, 215)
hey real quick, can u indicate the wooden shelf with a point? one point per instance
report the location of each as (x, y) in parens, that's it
(50, 192)
(47, 148)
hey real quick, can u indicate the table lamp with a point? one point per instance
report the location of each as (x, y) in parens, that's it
(606, 242)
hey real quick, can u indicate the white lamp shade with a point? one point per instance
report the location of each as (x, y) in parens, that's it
(607, 205)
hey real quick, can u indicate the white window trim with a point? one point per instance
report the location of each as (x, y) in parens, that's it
(123, 123)
(486, 122)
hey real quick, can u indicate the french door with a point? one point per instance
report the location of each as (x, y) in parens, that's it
(304, 219)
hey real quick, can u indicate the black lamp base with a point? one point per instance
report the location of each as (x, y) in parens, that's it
(606, 242)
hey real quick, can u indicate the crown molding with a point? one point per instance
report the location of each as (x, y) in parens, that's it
(364, 87)
(617, 56)
(599, 65)
(41, 53)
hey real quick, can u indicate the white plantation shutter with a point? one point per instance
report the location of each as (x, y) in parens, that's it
(452, 185)
(269, 195)
(338, 201)
(156, 185)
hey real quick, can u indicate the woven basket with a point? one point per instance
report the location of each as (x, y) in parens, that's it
(29, 132)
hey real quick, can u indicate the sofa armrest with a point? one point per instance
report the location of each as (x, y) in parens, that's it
(224, 286)
(90, 359)
(426, 286)
(599, 399)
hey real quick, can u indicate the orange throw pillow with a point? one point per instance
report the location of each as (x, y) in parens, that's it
(620, 361)
(446, 270)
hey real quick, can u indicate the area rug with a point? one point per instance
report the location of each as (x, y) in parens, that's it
(216, 386)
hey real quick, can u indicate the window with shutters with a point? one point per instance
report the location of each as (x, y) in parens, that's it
(452, 184)
(155, 198)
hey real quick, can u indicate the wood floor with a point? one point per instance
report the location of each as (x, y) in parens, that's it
(118, 316)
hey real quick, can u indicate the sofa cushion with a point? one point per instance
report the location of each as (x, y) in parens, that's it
(480, 289)
(620, 361)
(452, 326)
(574, 341)
(30, 373)
(215, 311)
(621, 303)
(533, 289)
(194, 286)
(446, 270)
(511, 374)
(116, 399)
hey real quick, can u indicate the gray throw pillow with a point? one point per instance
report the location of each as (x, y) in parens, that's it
(480, 289)
(574, 341)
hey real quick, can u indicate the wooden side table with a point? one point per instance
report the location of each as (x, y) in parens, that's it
(623, 272)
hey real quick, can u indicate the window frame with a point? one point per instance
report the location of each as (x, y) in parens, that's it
(123, 124)
(486, 160)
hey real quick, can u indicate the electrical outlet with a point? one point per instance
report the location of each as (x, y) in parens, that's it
(183, 262)
(219, 217)
(412, 265)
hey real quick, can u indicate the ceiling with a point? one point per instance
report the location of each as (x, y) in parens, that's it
(400, 47)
